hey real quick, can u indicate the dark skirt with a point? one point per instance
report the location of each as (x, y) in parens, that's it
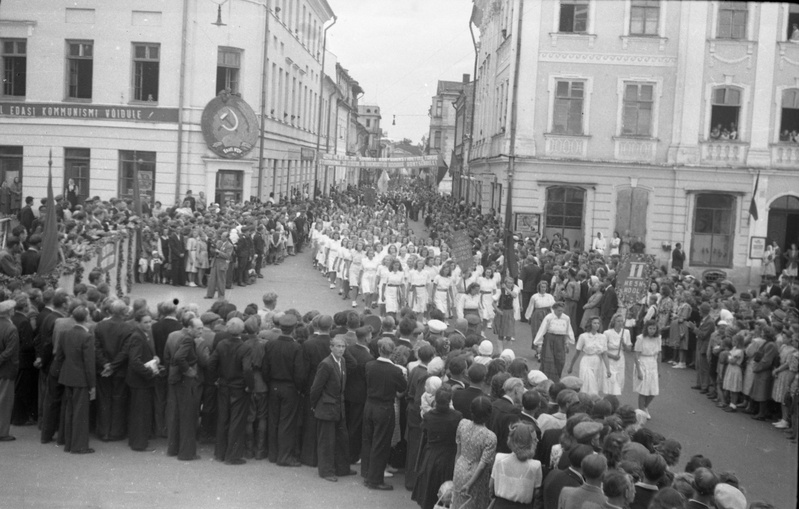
(537, 318)
(553, 356)
(505, 323)
(436, 468)
(504, 503)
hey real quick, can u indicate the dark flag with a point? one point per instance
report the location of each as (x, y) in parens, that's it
(510, 256)
(753, 204)
(49, 256)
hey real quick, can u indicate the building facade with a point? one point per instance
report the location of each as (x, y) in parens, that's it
(441, 137)
(121, 92)
(369, 117)
(649, 118)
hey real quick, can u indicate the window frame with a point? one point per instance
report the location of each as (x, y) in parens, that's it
(587, 93)
(437, 140)
(439, 108)
(548, 215)
(135, 157)
(631, 7)
(82, 43)
(719, 8)
(574, 3)
(9, 154)
(83, 182)
(227, 50)
(657, 88)
(137, 86)
(780, 98)
(16, 56)
(733, 211)
(743, 111)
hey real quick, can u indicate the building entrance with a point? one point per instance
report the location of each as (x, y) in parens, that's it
(229, 186)
(783, 222)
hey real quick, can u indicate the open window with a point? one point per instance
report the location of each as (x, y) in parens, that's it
(724, 114)
(789, 117)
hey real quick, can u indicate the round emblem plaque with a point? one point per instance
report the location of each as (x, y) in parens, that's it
(229, 125)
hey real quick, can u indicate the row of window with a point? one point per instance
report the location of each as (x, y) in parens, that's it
(291, 100)
(638, 107)
(574, 17)
(300, 21)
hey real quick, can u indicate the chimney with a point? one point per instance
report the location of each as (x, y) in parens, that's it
(466, 78)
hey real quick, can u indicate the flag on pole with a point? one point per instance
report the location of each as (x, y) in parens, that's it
(49, 253)
(136, 191)
(753, 203)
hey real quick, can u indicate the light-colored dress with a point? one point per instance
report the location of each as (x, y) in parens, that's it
(648, 349)
(443, 297)
(202, 255)
(191, 255)
(488, 287)
(516, 480)
(749, 372)
(344, 257)
(369, 274)
(592, 369)
(616, 345)
(418, 296)
(783, 380)
(614, 246)
(733, 375)
(332, 255)
(394, 281)
(321, 248)
(478, 444)
(356, 265)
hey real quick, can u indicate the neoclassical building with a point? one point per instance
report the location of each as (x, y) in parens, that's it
(650, 118)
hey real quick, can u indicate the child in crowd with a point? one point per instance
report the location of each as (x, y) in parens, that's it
(733, 376)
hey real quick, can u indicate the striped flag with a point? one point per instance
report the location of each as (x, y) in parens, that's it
(753, 204)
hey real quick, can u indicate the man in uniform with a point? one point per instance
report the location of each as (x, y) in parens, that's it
(219, 267)
(284, 372)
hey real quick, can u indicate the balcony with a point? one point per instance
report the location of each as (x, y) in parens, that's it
(724, 153)
(635, 149)
(566, 146)
(785, 155)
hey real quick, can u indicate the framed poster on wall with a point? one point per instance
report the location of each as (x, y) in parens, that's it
(527, 223)
(757, 247)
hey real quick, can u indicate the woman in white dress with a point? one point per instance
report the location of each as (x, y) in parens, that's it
(418, 279)
(343, 270)
(599, 244)
(356, 271)
(333, 247)
(489, 283)
(394, 289)
(368, 287)
(618, 342)
(615, 244)
(382, 274)
(647, 353)
(191, 258)
(591, 349)
(443, 291)
(539, 307)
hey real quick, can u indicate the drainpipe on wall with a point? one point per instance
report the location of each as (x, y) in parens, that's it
(321, 103)
(181, 97)
(471, 122)
(263, 102)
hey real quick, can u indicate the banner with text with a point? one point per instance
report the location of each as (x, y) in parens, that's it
(461, 250)
(88, 112)
(633, 278)
(378, 162)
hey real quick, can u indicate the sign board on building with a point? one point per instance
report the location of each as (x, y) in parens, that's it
(527, 223)
(108, 257)
(229, 125)
(307, 154)
(88, 112)
(757, 248)
(632, 280)
(378, 162)
(461, 250)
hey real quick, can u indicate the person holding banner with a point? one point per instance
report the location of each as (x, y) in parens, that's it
(618, 342)
(553, 338)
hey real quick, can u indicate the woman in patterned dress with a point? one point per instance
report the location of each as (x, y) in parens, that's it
(477, 446)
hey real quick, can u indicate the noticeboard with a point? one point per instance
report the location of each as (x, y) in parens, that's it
(461, 250)
(632, 280)
(527, 223)
(757, 248)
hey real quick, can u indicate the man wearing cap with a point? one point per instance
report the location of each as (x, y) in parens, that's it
(112, 362)
(554, 337)
(75, 358)
(315, 349)
(29, 259)
(217, 278)
(327, 401)
(9, 366)
(284, 372)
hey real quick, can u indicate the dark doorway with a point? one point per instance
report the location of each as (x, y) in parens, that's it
(783, 221)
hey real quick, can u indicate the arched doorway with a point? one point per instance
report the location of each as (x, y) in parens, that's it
(783, 221)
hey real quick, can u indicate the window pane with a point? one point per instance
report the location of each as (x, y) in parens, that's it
(555, 208)
(581, 18)
(725, 24)
(139, 51)
(87, 50)
(563, 89)
(629, 119)
(574, 195)
(572, 222)
(560, 116)
(556, 194)
(566, 18)
(577, 89)
(651, 22)
(575, 117)
(154, 52)
(8, 47)
(636, 21)
(646, 92)
(733, 97)
(703, 222)
(644, 119)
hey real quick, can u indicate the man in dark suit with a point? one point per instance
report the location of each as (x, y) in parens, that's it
(416, 380)
(54, 391)
(384, 381)
(112, 362)
(27, 377)
(161, 331)
(140, 377)
(9, 366)
(26, 215)
(355, 391)
(75, 356)
(608, 305)
(770, 287)
(259, 247)
(705, 481)
(530, 275)
(593, 467)
(29, 259)
(284, 372)
(244, 252)
(183, 370)
(703, 333)
(177, 253)
(327, 400)
(220, 265)
(232, 360)
(462, 399)
(677, 257)
(556, 480)
(506, 411)
(314, 349)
